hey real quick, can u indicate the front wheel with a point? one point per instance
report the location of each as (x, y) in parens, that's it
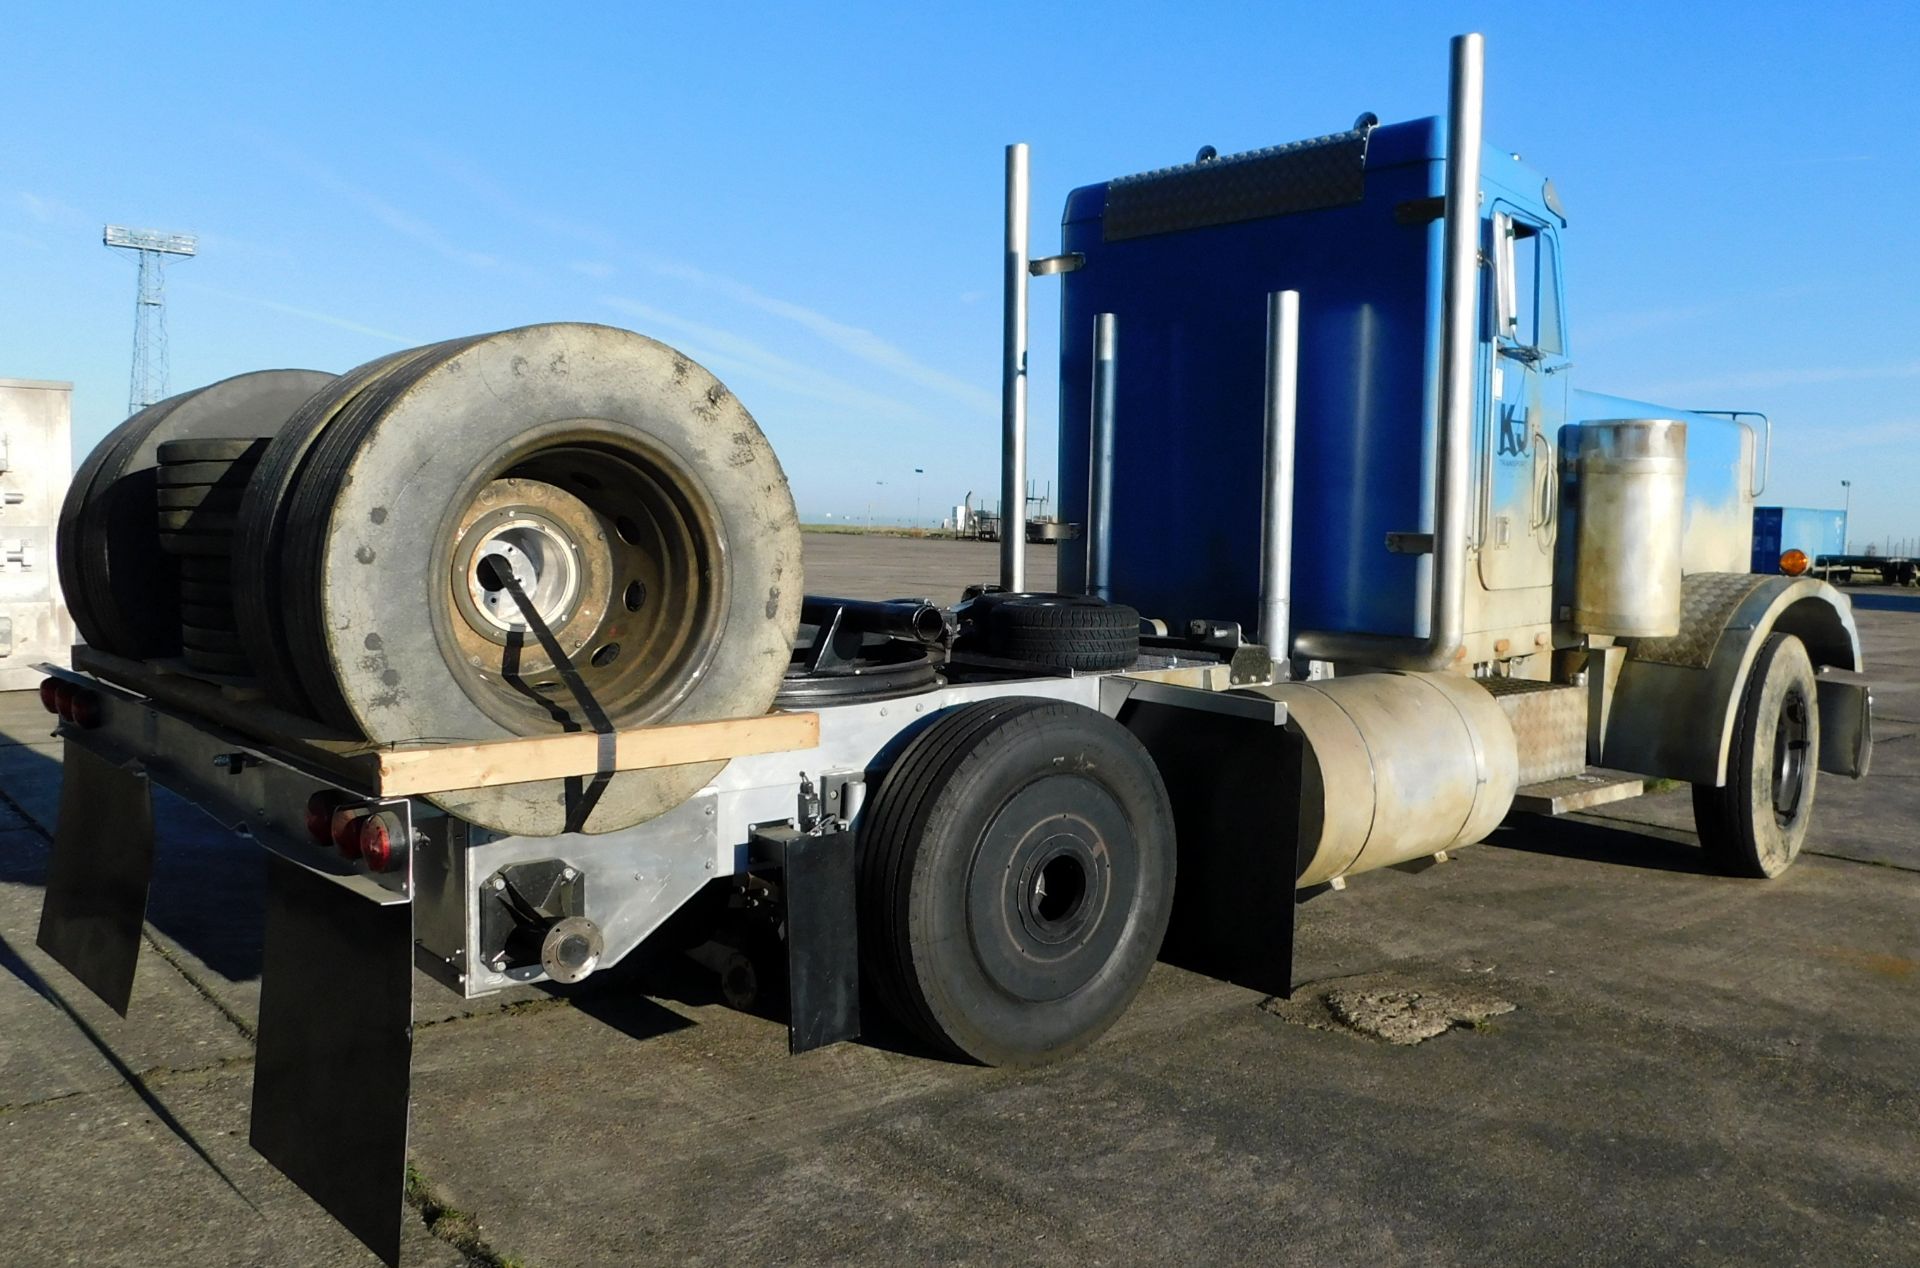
(1753, 825)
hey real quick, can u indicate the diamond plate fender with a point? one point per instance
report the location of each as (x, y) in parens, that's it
(1673, 712)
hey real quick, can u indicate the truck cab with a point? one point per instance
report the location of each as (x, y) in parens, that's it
(1183, 258)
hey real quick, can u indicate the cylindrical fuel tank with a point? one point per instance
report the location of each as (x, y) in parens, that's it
(1633, 505)
(1397, 766)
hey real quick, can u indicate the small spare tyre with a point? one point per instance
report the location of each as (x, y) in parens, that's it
(1060, 631)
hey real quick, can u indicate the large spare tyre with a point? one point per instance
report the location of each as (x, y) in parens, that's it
(601, 478)
(121, 587)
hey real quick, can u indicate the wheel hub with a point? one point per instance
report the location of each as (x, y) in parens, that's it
(540, 540)
(1791, 746)
(1047, 897)
(529, 553)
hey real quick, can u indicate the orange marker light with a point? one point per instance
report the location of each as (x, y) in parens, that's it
(1795, 562)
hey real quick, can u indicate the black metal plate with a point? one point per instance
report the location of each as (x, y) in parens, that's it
(98, 876)
(823, 952)
(1235, 904)
(334, 1050)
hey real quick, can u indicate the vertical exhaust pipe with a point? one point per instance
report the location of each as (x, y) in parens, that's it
(1459, 343)
(1276, 485)
(1100, 465)
(1013, 381)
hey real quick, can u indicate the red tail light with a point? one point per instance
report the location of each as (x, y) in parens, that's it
(377, 847)
(345, 829)
(74, 704)
(83, 708)
(320, 808)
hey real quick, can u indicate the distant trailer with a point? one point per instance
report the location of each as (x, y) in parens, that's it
(1892, 570)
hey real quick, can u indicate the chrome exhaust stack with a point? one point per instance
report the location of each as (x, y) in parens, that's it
(1276, 487)
(1013, 380)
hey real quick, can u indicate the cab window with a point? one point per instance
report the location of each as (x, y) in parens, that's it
(1529, 292)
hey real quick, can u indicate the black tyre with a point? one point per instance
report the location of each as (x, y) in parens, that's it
(1754, 824)
(113, 566)
(1063, 631)
(1016, 875)
(613, 485)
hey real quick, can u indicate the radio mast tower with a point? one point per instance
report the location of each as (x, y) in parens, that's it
(149, 382)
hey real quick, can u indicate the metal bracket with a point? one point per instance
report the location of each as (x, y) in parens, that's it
(1048, 265)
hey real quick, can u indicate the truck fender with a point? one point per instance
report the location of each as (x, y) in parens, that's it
(1673, 711)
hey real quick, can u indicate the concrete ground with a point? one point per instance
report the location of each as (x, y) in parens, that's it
(1697, 1070)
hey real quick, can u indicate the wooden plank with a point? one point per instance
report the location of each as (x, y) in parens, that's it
(399, 772)
(446, 767)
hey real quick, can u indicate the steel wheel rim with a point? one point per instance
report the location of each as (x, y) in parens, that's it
(630, 596)
(1792, 744)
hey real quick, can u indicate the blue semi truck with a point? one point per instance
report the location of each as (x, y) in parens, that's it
(499, 648)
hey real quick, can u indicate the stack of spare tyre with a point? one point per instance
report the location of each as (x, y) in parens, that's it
(379, 555)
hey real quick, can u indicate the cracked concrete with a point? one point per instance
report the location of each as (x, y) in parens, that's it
(1696, 1070)
(1391, 1008)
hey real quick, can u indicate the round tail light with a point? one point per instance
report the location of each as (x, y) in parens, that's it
(383, 842)
(1795, 562)
(83, 709)
(378, 850)
(50, 694)
(344, 828)
(320, 808)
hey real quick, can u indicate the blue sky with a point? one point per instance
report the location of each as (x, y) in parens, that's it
(809, 200)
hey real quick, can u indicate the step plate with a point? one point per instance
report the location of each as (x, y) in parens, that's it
(1592, 787)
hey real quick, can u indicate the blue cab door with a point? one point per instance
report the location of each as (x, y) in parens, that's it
(1526, 404)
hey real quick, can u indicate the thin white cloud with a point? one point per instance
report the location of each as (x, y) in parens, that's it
(1791, 376)
(1605, 328)
(733, 354)
(48, 211)
(308, 314)
(853, 340)
(1837, 438)
(406, 224)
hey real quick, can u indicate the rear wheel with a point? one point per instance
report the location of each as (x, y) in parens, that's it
(1016, 875)
(1753, 825)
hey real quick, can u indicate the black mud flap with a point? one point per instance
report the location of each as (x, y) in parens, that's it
(335, 1046)
(1235, 786)
(99, 873)
(823, 954)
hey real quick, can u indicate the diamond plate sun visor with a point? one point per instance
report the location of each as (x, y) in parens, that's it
(1327, 171)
